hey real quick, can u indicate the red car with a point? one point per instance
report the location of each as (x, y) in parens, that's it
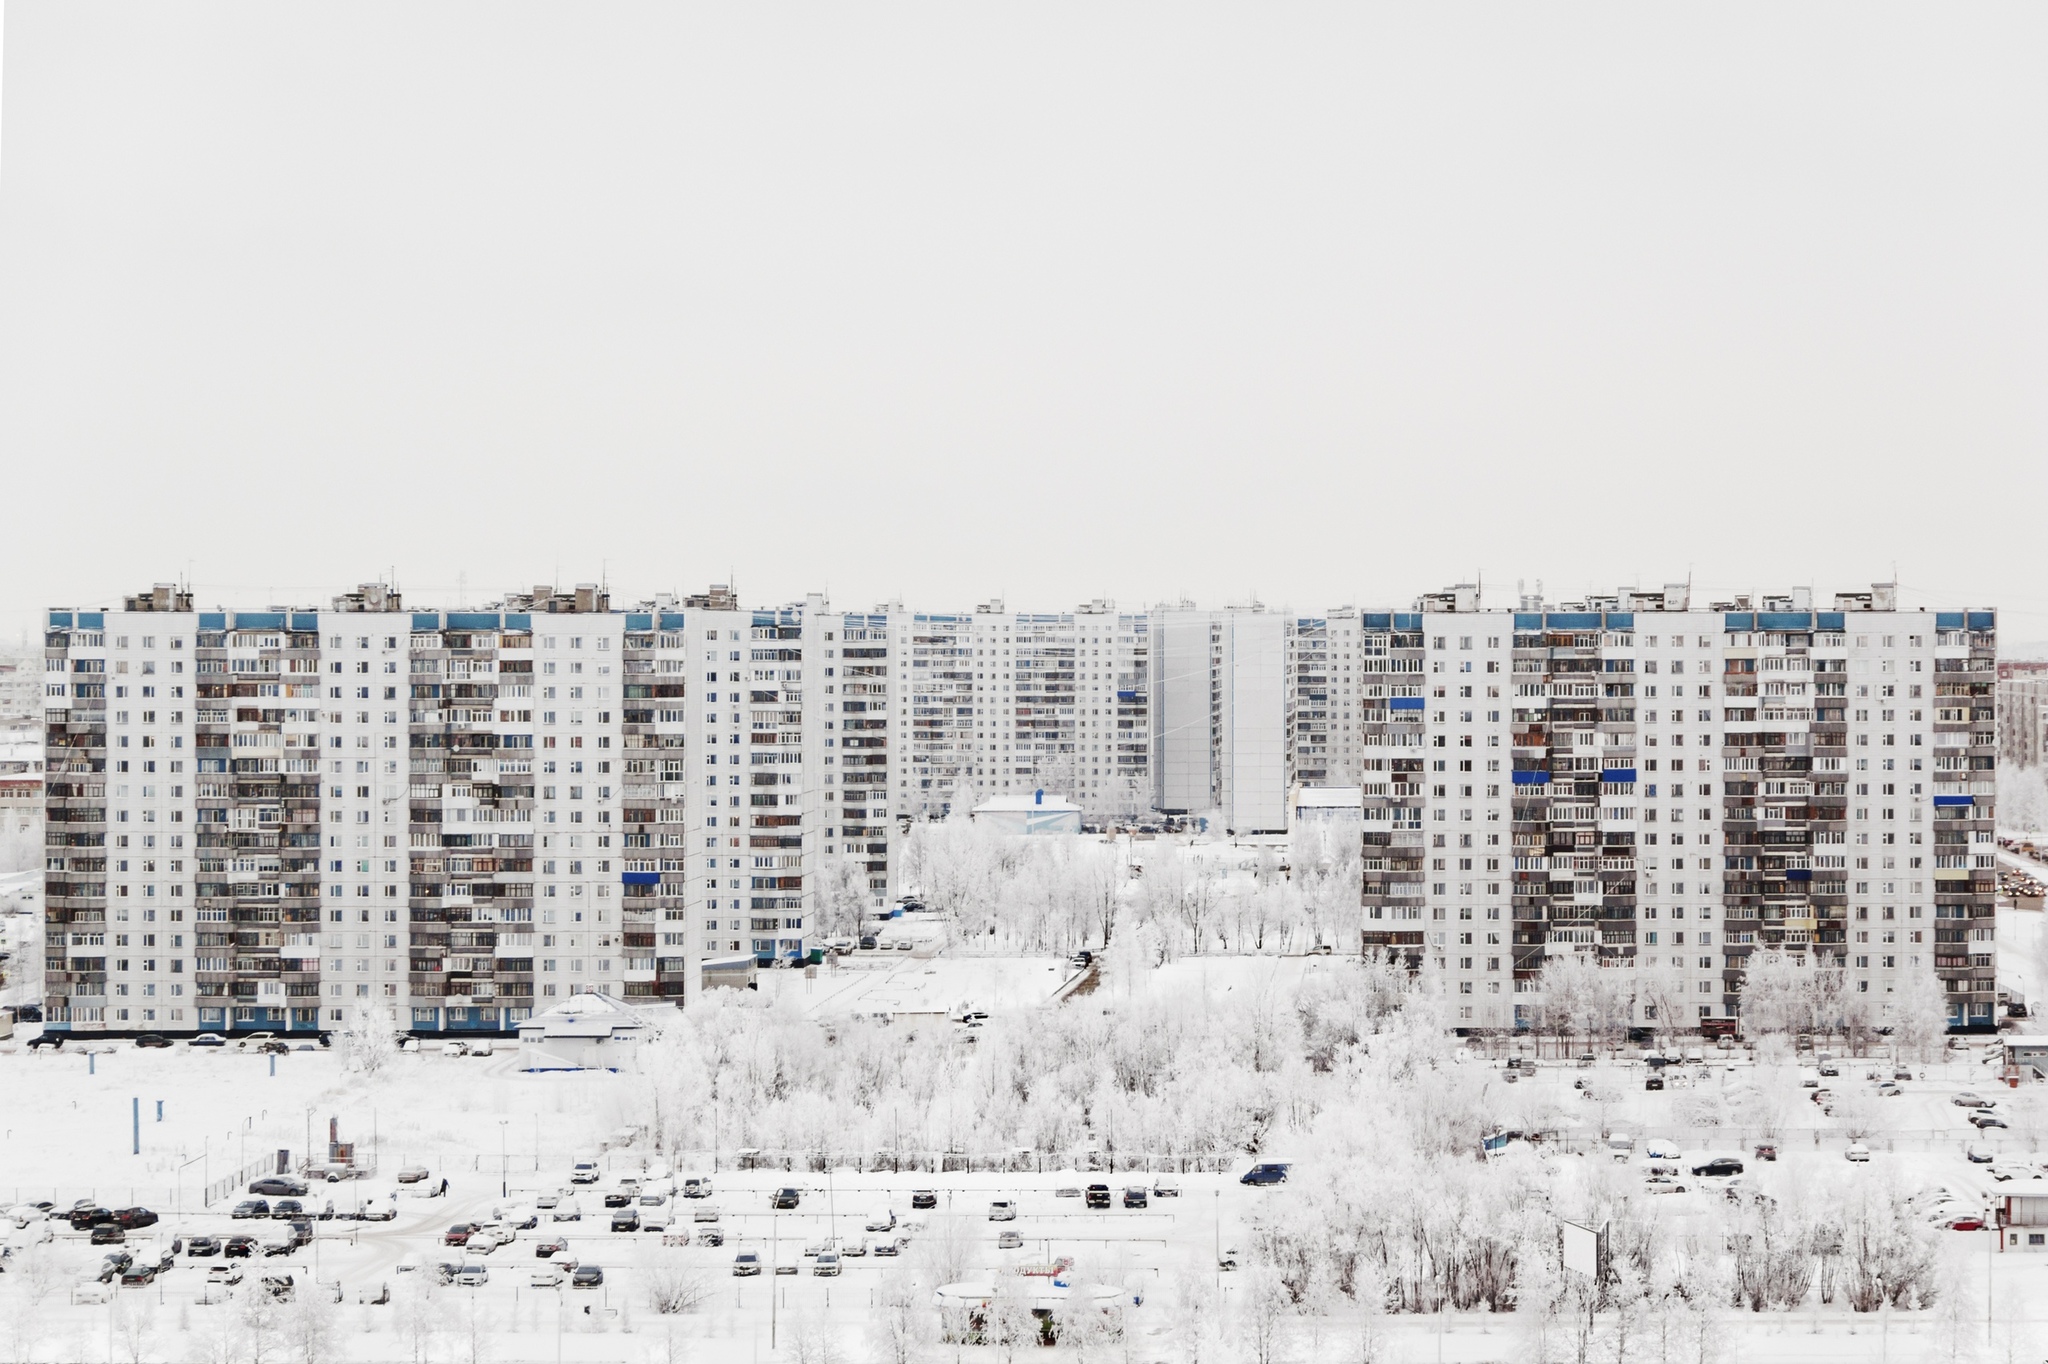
(458, 1235)
(1967, 1224)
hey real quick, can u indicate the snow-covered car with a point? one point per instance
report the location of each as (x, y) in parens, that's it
(1977, 1155)
(1662, 1184)
(1002, 1210)
(1857, 1151)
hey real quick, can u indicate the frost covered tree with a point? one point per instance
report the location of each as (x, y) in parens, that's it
(1919, 1015)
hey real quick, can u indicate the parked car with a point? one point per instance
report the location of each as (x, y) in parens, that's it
(1267, 1172)
(53, 1040)
(1136, 1198)
(1977, 1155)
(276, 1186)
(696, 1188)
(251, 1207)
(550, 1246)
(279, 1245)
(1857, 1151)
(1165, 1188)
(207, 1039)
(921, 1199)
(626, 1219)
(746, 1264)
(472, 1275)
(785, 1198)
(150, 1040)
(1719, 1166)
(238, 1247)
(411, 1174)
(826, 1265)
(1002, 1210)
(1009, 1240)
(84, 1219)
(888, 1245)
(586, 1276)
(710, 1236)
(881, 1219)
(137, 1275)
(224, 1275)
(108, 1234)
(585, 1172)
(1968, 1100)
(1654, 1082)
(1662, 1184)
(1766, 1151)
(458, 1235)
(1981, 1120)
(1098, 1196)
(287, 1207)
(203, 1246)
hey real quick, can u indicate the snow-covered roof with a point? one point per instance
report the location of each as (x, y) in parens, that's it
(589, 1014)
(1348, 797)
(1043, 804)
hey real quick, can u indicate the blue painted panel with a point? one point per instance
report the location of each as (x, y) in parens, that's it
(1784, 620)
(305, 620)
(426, 620)
(1738, 620)
(1573, 620)
(1618, 774)
(1528, 620)
(1621, 620)
(213, 620)
(1951, 800)
(519, 620)
(1983, 620)
(639, 620)
(259, 620)
(1406, 703)
(92, 620)
(1799, 874)
(1830, 620)
(1531, 778)
(1948, 620)
(671, 620)
(640, 878)
(1407, 620)
(60, 620)
(1379, 620)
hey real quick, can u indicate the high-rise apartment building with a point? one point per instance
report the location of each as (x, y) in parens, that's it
(2023, 713)
(272, 819)
(1660, 787)
(995, 702)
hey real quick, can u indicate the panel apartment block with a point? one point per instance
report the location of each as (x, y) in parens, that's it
(1669, 789)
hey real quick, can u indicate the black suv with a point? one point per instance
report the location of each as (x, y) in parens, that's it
(924, 1198)
(1135, 1198)
(1724, 1165)
(83, 1219)
(238, 1246)
(134, 1219)
(1098, 1196)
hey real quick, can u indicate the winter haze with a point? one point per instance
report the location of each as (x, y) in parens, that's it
(1327, 304)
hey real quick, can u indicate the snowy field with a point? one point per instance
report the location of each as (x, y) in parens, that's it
(504, 1139)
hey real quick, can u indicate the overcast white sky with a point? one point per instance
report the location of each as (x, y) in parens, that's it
(1328, 303)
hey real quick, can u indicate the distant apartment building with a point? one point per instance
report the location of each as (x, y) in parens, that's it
(2022, 713)
(1658, 786)
(996, 702)
(1248, 703)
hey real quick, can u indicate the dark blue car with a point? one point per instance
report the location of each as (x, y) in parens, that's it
(1269, 1172)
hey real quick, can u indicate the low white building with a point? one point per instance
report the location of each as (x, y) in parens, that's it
(1036, 813)
(588, 1031)
(1326, 805)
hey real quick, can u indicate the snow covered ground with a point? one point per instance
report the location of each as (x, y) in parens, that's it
(66, 1133)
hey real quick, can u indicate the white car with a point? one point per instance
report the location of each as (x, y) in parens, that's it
(881, 1219)
(1002, 1210)
(2003, 1173)
(1857, 1151)
(472, 1276)
(1661, 1184)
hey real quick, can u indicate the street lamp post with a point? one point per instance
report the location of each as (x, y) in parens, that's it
(504, 1167)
